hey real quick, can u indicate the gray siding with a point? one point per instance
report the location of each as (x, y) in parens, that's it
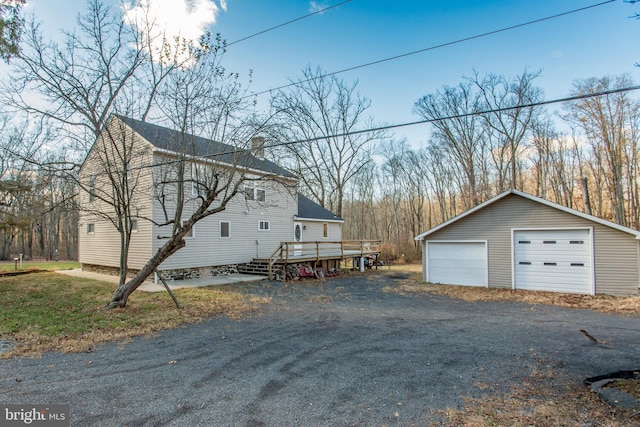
(615, 252)
(103, 246)
(207, 248)
(314, 231)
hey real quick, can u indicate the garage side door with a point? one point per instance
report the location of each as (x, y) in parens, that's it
(553, 260)
(457, 263)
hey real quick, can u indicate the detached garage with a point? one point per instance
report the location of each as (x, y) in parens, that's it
(520, 241)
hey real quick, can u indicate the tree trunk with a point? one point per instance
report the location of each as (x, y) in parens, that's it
(122, 293)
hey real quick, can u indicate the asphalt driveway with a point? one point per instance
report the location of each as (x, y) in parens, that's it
(341, 353)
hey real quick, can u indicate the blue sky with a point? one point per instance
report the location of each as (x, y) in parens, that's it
(593, 43)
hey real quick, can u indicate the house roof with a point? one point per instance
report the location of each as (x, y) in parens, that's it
(500, 196)
(169, 139)
(308, 209)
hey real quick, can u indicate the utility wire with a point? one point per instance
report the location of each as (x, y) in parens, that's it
(288, 22)
(457, 116)
(451, 43)
(399, 125)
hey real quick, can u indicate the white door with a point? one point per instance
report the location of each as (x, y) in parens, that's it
(457, 263)
(553, 260)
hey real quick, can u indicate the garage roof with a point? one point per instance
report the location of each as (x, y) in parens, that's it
(535, 199)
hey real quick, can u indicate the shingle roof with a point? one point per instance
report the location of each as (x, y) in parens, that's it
(169, 139)
(309, 209)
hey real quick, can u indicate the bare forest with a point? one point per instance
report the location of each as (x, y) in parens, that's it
(483, 136)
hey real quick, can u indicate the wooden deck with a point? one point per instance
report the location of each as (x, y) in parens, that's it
(306, 252)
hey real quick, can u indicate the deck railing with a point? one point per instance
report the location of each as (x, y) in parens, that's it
(290, 252)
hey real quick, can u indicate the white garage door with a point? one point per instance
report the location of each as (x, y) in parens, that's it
(553, 260)
(457, 263)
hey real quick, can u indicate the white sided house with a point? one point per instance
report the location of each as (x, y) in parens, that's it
(519, 241)
(267, 211)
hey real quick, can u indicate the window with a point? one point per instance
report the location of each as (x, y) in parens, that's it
(92, 188)
(91, 228)
(255, 190)
(225, 229)
(264, 226)
(325, 230)
(133, 225)
(190, 233)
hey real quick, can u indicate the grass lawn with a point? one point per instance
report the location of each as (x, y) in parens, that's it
(48, 311)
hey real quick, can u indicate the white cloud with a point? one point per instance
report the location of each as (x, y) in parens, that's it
(171, 19)
(316, 7)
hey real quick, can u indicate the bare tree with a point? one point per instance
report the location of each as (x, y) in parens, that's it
(461, 132)
(200, 175)
(510, 124)
(105, 65)
(610, 125)
(322, 112)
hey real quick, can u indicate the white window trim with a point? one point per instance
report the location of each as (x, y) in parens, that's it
(252, 188)
(268, 224)
(192, 232)
(92, 189)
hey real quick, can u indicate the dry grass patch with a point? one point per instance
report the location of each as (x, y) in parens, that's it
(603, 303)
(48, 311)
(541, 399)
(631, 386)
(534, 404)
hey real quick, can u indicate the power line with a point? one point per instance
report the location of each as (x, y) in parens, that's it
(419, 122)
(458, 116)
(451, 43)
(289, 22)
(393, 126)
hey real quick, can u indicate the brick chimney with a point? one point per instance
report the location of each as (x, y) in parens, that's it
(257, 146)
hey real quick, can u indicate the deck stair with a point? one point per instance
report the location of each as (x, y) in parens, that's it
(259, 266)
